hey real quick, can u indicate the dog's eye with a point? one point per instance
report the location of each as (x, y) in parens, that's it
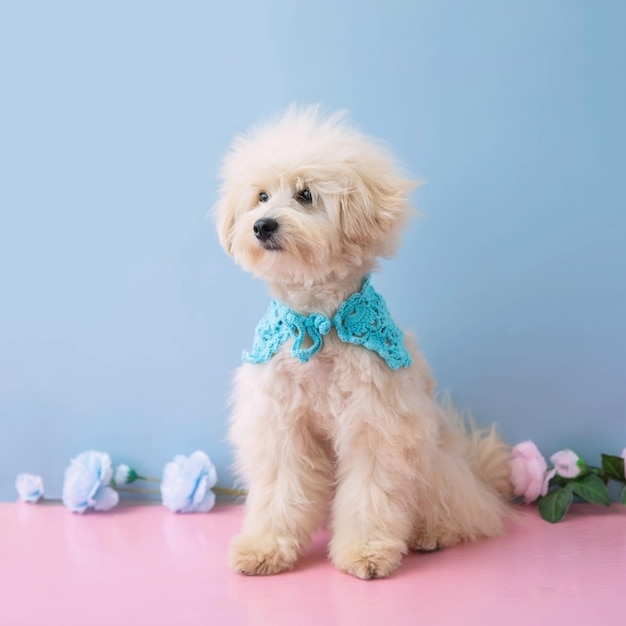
(263, 197)
(305, 196)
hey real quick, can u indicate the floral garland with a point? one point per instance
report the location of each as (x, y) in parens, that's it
(189, 483)
(91, 482)
(554, 488)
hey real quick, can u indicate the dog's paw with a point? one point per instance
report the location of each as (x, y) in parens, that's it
(262, 555)
(429, 541)
(373, 559)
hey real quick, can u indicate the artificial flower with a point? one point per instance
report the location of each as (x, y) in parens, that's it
(568, 464)
(548, 476)
(86, 483)
(123, 475)
(529, 475)
(187, 482)
(29, 487)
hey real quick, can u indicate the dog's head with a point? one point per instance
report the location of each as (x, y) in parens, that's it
(306, 198)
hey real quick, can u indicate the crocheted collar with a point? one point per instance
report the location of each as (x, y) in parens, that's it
(363, 319)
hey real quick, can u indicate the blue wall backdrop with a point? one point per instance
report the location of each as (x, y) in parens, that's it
(121, 320)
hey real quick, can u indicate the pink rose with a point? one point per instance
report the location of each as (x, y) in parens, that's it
(568, 464)
(529, 475)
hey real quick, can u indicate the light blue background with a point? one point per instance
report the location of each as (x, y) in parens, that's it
(121, 320)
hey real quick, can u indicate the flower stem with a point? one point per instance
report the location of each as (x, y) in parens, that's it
(148, 479)
(220, 491)
(223, 491)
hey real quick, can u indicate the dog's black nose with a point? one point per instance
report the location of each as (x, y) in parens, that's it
(264, 228)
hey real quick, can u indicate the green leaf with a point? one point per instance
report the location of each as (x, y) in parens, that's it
(592, 489)
(558, 481)
(624, 496)
(553, 507)
(613, 467)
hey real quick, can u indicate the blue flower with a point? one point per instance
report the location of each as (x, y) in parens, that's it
(86, 483)
(187, 482)
(29, 487)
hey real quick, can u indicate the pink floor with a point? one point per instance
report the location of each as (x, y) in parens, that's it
(144, 564)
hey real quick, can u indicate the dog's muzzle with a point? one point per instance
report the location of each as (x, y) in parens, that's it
(265, 231)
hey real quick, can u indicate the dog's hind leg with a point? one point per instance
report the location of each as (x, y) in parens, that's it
(460, 505)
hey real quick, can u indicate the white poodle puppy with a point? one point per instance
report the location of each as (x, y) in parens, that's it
(334, 408)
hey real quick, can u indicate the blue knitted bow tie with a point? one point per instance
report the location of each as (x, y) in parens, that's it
(363, 319)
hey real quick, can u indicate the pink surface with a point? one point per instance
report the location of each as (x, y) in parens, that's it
(144, 564)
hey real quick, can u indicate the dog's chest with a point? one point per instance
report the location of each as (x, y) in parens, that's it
(309, 386)
(314, 378)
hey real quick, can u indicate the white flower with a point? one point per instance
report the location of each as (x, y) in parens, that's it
(29, 487)
(187, 482)
(123, 475)
(86, 483)
(567, 463)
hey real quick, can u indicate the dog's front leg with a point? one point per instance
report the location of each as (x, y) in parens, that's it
(375, 503)
(288, 473)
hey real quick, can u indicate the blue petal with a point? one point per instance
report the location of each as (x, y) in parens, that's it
(105, 499)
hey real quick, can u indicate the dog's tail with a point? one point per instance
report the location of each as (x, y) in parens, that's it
(485, 450)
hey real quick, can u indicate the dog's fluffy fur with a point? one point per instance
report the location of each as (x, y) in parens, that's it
(341, 435)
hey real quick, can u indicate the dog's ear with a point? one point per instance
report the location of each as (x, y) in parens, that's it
(234, 200)
(373, 207)
(224, 213)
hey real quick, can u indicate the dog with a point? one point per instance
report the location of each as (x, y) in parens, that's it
(335, 417)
